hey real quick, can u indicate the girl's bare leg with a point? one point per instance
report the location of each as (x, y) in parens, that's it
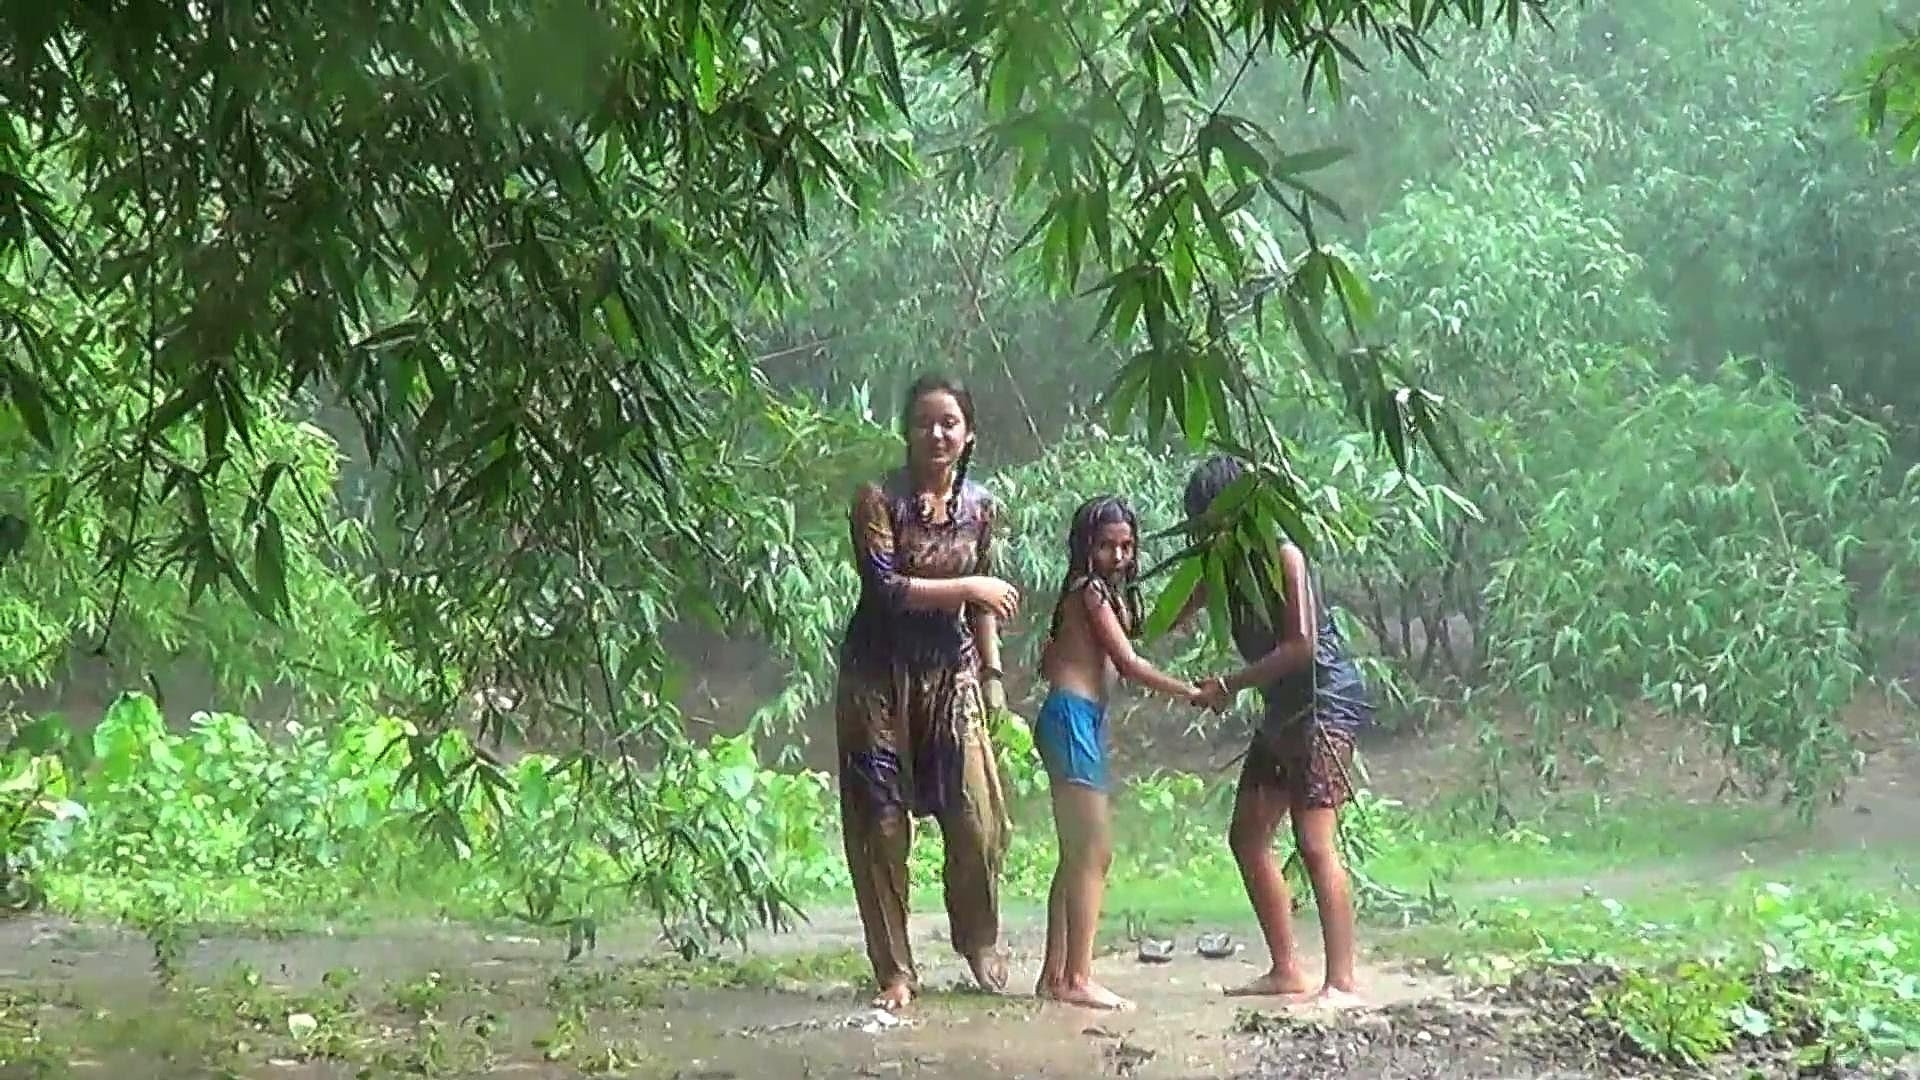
(1317, 831)
(1053, 966)
(1257, 812)
(1086, 852)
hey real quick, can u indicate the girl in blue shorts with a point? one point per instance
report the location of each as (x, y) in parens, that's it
(1098, 611)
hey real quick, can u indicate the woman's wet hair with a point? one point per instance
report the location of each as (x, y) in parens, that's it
(1214, 475)
(952, 386)
(1094, 515)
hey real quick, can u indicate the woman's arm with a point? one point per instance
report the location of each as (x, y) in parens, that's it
(1294, 652)
(986, 624)
(873, 555)
(1112, 639)
(986, 638)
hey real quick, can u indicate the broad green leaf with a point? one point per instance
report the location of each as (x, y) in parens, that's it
(1173, 597)
(30, 401)
(270, 564)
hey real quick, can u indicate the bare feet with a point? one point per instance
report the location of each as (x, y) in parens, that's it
(989, 970)
(1274, 984)
(1332, 997)
(1089, 995)
(894, 997)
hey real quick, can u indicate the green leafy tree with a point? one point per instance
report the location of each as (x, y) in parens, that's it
(511, 240)
(1892, 93)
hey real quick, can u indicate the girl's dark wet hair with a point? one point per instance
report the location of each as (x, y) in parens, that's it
(945, 384)
(1215, 475)
(1096, 514)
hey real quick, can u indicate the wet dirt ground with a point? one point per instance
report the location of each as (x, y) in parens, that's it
(447, 1000)
(511, 1006)
(801, 1016)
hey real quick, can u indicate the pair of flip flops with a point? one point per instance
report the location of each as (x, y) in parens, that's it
(1210, 946)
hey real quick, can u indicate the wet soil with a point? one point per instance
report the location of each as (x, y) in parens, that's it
(451, 1001)
(439, 999)
(801, 1011)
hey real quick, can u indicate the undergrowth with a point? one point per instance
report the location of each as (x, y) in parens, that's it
(1827, 971)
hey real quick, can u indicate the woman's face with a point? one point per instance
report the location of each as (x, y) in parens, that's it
(1112, 549)
(937, 430)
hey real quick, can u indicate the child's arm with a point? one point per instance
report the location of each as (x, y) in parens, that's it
(1112, 639)
(1295, 649)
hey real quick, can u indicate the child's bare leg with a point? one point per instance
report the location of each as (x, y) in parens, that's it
(1053, 966)
(1086, 852)
(1257, 810)
(1317, 831)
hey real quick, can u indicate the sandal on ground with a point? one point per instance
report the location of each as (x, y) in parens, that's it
(1156, 951)
(1217, 946)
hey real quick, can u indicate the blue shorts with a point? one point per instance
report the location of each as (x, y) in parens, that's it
(1071, 734)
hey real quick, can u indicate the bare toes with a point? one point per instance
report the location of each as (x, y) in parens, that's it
(894, 998)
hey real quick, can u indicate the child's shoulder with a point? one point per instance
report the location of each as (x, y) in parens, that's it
(1091, 588)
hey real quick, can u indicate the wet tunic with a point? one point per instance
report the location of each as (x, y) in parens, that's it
(1309, 720)
(910, 723)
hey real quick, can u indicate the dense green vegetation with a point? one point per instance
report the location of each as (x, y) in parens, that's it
(396, 394)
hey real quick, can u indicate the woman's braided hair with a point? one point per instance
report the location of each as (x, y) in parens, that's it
(945, 384)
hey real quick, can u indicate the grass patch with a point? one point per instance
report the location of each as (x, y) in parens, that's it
(1827, 949)
(1412, 853)
(1574, 840)
(1171, 863)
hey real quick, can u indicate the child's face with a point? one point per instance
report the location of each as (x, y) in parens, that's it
(1112, 549)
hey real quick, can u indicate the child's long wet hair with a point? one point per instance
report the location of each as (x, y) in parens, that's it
(1213, 476)
(1096, 514)
(1207, 482)
(945, 384)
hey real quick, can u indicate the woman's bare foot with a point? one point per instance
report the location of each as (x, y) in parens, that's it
(989, 970)
(1091, 995)
(894, 997)
(1274, 984)
(1047, 987)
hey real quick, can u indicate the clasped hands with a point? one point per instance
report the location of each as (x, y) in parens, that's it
(1211, 693)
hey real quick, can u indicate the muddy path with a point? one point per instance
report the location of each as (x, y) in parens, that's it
(796, 1008)
(445, 1000)
(442, 999)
